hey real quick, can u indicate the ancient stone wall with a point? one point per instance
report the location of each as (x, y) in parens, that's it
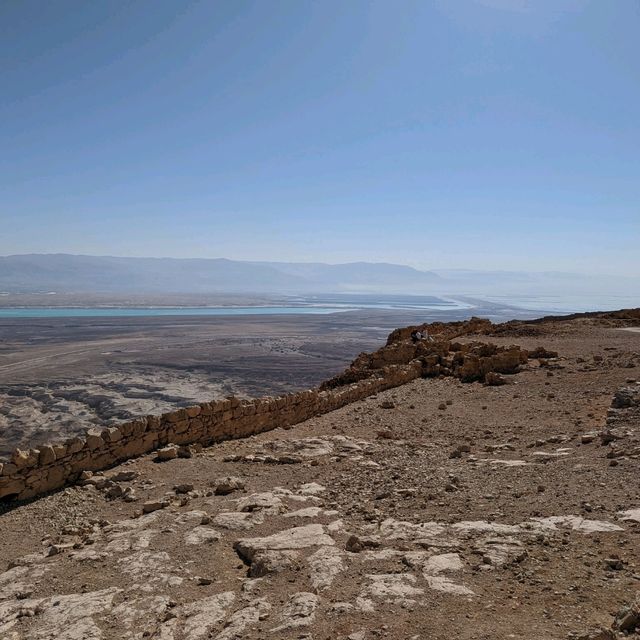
(36, 471)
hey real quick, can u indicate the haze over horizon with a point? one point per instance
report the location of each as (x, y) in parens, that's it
(482, 134)
(116, 276)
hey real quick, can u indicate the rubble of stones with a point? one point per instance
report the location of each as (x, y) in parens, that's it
(470, 362)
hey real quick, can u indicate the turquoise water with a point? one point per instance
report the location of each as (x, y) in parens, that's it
(302, 305)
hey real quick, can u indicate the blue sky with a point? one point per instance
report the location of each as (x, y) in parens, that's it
(490, 134)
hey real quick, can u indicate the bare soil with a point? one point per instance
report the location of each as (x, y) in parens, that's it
(502, 515)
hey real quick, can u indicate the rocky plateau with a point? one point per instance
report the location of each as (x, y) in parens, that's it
(467, 504)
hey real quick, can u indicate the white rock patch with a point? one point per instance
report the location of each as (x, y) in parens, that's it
(298, 612)
(201, 535)
(311, 535)
(577, 523)
(392, 587)
(326, 563)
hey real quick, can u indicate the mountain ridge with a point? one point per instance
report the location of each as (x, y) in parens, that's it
(81, 274)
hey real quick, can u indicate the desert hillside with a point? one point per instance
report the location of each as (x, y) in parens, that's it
(494, 496)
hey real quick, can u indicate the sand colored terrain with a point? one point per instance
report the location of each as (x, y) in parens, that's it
(436, 510)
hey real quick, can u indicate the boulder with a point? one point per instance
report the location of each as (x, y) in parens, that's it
(227, 484)
(170, 452)
(154, 505)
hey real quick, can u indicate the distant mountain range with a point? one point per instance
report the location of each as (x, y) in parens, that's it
(63, 273)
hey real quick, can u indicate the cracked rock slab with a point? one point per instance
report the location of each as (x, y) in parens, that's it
(64, 617)
(298, 612)
(326, 564)
(201, 535)
(271, 561)
(312, 535)
(197, 620)
(238, 521)
(392, 587)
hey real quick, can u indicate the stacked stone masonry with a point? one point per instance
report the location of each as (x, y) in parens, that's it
(37, 471)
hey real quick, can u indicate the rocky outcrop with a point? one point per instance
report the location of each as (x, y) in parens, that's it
(628, 618)
(443, 330)
(438, 357)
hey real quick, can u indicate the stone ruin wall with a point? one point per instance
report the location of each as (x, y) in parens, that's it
(36, 471)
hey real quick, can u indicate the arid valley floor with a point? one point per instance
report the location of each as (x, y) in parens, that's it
(81, 372)
(59, 376)
(432, 511)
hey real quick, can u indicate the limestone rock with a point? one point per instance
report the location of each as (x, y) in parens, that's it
(502, 551)
(298, 612)
(227, 484)
(311, 535)
(311, 489)
(197, 620)
(326, 564)
(64, 617)
(266, 501)
(201, 535)
(307, 512)
(272, 561)
(392, 529)
(154, 505)
(169, 452)
(241, 620)
(392, 586)
(630, 515)
(238, 521)
(195, 517)
(577, 523)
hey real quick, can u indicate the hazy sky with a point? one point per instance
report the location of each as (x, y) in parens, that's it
(500, 134)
